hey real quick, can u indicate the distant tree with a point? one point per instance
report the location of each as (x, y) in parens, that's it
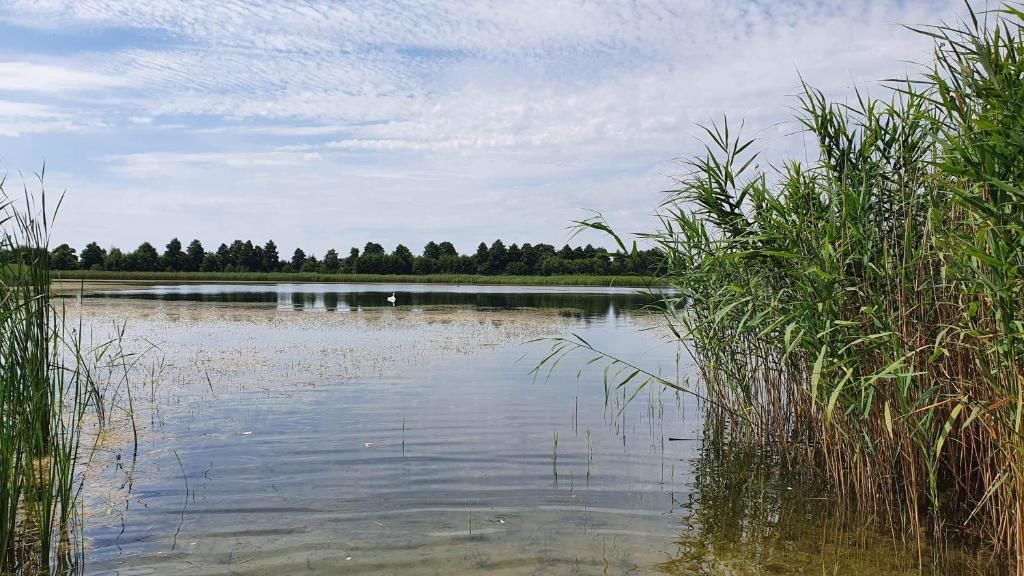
(116, 260)
(401, 261)
(432, 250)
(92, 257)
(375, 263)
(240, 257)
(195, 254)
(252, 257)
(258, 258)
(447, 265)
(211, 263)
(517, 269)
(480, 258)
(527, 257)
(447, 249)
(514, 253)
(514, 263)
(552, 265)
(464, 265)
(437, 258)
(63, 257)
(311, 265)
(298, 259)
(224, 256)
(174, 258)
(271, 259)
(144, 258)
(497, 258)
(331, 263)
(402, 252)
(422, 265)
(353, 258)
(544, 250)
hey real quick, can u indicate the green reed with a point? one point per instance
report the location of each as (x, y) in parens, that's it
(744, 513)
(861, 312)
(47, 394)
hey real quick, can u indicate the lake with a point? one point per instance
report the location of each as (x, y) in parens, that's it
(315, 428)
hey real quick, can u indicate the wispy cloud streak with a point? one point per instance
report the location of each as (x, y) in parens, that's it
(539, 107)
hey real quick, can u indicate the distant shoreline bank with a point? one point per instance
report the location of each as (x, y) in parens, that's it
(453, 279)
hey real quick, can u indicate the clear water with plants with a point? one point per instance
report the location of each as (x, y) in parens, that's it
(828, 381)
(320, 429)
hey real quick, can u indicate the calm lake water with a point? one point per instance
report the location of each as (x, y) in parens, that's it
(316, 429)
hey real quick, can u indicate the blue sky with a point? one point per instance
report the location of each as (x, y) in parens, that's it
(329, 124)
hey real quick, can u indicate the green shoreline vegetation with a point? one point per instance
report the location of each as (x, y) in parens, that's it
(245, 257)
(53, 393)
(861, 314)
(452, 279)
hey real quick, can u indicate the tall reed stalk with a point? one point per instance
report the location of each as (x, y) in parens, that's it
(863, 313)
(46, 393)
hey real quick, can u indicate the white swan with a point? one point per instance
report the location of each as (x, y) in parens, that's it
(392, 299)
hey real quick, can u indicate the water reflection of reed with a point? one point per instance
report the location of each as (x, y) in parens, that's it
(745, 516)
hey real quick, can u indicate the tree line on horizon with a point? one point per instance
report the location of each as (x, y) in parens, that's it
(436, 258)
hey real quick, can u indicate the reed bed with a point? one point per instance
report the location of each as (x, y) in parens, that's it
(861, 313)
(48, 397)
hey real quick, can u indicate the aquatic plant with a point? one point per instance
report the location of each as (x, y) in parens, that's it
(861, 312)
(744, 513)
(46, 393)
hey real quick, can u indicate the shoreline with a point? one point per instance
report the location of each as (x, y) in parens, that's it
(64, 276)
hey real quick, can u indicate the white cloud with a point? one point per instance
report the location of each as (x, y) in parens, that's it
(160, 164)
(21, 118)
(32, 77)
(473, 117)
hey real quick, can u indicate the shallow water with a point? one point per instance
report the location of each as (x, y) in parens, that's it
(317, 429)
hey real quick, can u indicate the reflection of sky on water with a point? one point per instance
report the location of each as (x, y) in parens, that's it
(389, 468)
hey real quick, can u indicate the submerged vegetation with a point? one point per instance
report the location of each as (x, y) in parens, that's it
(747, 515)
(861, 313)
(49, 399)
